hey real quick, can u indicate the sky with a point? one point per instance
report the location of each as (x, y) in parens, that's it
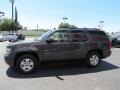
(49, 13)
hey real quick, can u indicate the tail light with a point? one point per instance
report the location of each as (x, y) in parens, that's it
(109, 45)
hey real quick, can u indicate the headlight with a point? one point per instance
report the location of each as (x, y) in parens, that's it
(8, 50)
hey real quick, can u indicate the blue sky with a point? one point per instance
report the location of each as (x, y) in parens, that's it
(83, 13)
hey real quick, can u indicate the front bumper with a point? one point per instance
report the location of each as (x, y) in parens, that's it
(9, 59)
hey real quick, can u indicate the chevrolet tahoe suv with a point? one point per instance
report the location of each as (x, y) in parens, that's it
(88, 44)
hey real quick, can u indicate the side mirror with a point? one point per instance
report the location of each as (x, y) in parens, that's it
(50, 41)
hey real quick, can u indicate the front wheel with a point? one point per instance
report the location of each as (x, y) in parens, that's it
(26, 64)
(93, 59)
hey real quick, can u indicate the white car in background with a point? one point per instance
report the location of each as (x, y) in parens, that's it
(3, 38)
(12, 37)
(15, 37)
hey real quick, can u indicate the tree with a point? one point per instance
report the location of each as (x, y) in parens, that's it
(8, 25)
(67, 25)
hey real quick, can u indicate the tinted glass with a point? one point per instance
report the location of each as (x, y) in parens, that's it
(78, 36)
(99, 35)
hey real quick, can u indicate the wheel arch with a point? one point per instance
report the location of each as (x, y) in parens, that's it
(26, 53)
(96, 50)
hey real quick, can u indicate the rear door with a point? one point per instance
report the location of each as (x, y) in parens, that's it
(78, 44)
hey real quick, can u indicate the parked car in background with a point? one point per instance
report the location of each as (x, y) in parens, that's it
(15, 37)
(21, 36)
(3, 38)
(90, 45)
(12, 37)
(116, 40)
(111, 40)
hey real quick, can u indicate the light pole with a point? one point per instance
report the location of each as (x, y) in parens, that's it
(101, 25)
(12, 3)
(37, 26)
(64, 19)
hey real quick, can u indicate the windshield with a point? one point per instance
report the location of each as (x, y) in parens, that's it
(44, 35)
(11, 34)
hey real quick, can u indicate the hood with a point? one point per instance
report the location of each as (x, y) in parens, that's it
(25, 43)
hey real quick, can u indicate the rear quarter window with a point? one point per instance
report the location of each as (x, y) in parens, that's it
(99, 35)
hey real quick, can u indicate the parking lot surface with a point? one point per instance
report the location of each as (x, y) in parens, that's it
(63, 77)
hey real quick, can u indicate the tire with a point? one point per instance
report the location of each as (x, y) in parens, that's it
(26, 64)
(93, 59)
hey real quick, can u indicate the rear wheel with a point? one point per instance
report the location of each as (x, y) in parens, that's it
(26, 64)
(93, 59)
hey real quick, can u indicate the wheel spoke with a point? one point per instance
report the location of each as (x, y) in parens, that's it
(94, 60)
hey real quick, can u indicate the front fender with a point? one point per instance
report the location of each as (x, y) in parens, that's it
(27, 50)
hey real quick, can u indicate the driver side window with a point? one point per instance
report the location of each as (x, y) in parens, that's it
(60, 36)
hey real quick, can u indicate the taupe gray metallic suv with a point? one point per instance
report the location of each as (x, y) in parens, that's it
(89, 44)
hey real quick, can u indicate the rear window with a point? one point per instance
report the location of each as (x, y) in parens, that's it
(99, 35)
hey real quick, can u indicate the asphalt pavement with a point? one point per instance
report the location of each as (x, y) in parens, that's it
(63, 77)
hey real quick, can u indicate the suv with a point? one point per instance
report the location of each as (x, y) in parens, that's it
(92, 45)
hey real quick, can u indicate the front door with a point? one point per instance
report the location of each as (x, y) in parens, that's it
(59, 48)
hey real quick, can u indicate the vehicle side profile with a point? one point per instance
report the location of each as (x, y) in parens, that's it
(89, 44)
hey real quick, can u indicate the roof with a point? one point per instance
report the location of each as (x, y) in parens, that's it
(90, 29)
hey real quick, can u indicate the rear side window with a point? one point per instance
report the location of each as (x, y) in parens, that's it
(78, 36)
(98, 35)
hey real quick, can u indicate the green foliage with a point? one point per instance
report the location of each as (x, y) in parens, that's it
(8, 25)
(67, 25)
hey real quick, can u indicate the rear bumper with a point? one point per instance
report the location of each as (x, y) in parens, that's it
(106, 53)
